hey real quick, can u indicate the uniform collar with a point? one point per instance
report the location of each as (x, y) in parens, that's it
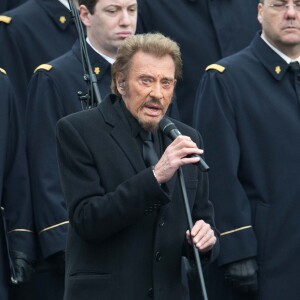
(99, 65)
(65, 3)
(273, 62)
(57, 12)
(109, 59)
(281, 54)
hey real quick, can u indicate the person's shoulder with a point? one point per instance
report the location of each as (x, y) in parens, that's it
(230, 64)
(81, 117)
(2, 72)
(3, 77)
(5, 19)
(4, 81)
(43, 68)
(60, 64)
(19, 13)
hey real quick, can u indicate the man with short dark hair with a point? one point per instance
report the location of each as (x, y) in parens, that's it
(247, 109)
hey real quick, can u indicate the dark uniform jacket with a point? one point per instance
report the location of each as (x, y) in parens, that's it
(126, 233)
(205, 30)
(248, 112)
(52, 95)
(9, 4)
(16, 211)
(31, 34)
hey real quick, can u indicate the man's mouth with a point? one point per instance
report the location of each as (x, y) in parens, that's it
(124, 34)
(153, 109)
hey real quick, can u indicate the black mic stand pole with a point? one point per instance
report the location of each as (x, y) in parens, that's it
(190, 223)
(89, 75)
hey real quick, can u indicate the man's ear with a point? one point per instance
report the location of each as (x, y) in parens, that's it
(121, 87)
(260, 9)
(85, 15)
(121, 83)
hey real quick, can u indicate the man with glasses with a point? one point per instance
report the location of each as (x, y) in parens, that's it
(247, 109)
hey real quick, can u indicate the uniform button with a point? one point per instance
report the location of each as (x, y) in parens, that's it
(158, 256)
(151, 293)
(161, 223)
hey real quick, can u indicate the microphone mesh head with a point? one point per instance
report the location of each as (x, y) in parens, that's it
(166, 125)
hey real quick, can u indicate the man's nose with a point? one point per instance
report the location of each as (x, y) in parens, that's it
(125, 18)
(156, 91)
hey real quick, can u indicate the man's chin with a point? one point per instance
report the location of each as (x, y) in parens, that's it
(149, 125)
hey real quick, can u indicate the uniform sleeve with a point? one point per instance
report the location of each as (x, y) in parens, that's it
(43, 111)
(16, 189)
(214, 117)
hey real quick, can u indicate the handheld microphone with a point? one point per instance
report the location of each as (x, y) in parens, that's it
(169, 129)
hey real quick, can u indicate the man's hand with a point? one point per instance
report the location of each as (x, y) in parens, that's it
(242, 275)
(175, 156)
(23, 266)
(202, 236)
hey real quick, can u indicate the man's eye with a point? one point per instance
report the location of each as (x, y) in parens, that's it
(132, 9)
(146, 81)
(278, 4)
(111, 11)
(166, 83)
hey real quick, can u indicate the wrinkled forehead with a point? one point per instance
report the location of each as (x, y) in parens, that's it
(152, 62)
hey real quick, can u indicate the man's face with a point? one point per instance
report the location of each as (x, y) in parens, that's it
(148, 88)
(111, 22)
(281, 26)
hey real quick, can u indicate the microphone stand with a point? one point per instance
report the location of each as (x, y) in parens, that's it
(88, 76)
(190, 223)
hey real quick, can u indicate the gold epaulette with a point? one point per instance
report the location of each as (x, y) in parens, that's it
(216, 67)
(43, 67)
(5, 19)
(2, 71)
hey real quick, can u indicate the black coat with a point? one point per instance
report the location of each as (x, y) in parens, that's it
(205, 30)
(248, 114)
(126, 233)
(53, 94)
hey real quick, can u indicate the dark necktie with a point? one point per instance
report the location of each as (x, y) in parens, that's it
(295, 67)
(149, 153)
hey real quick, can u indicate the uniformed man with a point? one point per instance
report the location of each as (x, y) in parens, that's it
(35, 32)
(53, 93)
(17, 251)
(247, 109)
(205, 30)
